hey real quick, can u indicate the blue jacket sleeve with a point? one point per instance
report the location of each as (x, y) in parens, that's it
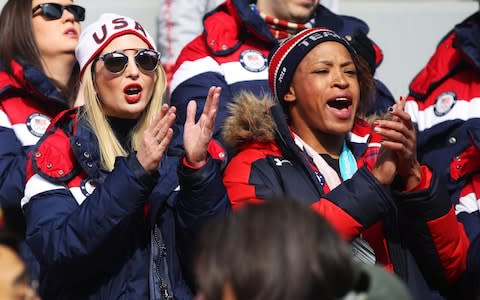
(63, 233)
(363, 198)
(432, 231)
(202, 198)
(465, 198)
(202, 195)
(13, 157)
(193, 198)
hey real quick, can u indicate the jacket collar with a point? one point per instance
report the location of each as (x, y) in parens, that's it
(468, 38)
(28, 79)
(288, 147)
(82, 140)
(239, 21)
(453, 54)
(357, 140)
(85, 146)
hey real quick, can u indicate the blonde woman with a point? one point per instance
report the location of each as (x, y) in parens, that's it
(101, 192)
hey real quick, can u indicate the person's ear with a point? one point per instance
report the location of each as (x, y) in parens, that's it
(290, 95)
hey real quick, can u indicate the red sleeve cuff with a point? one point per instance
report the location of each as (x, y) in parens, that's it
(425, 182)
(190, 166)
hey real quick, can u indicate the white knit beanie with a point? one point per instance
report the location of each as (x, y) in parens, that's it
(100, 33)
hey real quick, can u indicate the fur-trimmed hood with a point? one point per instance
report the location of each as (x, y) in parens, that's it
(249, 121)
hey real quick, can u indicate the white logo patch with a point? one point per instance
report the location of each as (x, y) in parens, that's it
(253, 60)
(280, 162)
(445, 103)
(37, 124)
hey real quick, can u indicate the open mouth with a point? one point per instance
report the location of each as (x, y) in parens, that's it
(340, 103)
(132, 90)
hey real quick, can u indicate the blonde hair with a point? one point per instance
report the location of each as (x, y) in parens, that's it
(109, 146)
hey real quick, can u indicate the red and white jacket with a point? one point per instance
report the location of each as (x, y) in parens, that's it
(234, 56)
(444, 98)
(28, 101)
(413, 233)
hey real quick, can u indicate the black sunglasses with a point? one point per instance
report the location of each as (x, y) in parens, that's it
(116, 61)
(54, 11)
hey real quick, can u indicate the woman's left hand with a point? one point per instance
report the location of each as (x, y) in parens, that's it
(400, 138)
(197, 136)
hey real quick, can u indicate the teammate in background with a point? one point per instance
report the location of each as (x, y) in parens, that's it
(180, 21)
(38, 79)
(234, 56)
(444, 98)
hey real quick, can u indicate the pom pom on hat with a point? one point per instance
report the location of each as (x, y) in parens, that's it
(99, 34)
(284, 59)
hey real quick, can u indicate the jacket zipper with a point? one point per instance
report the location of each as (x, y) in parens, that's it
(162, 253)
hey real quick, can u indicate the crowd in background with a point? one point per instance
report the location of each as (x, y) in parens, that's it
(249, 152)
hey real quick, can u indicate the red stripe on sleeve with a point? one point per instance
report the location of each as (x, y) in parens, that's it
(237, 179)
(374, 235)
(338, 218)
(425, 180)
(451, 244)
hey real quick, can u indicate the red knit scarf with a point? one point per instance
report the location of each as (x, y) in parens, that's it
(281, 29)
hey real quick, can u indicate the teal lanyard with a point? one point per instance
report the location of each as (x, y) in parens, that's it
(348, 164)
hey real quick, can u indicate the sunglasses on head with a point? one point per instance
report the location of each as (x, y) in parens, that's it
(54, 11)
(116, 62)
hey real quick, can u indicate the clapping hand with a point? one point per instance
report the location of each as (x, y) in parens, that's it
(197, 135)
(400, 140)
(156, 139)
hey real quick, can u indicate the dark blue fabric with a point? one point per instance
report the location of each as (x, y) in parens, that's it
(100, 249)
(410, 243)
(469, 283)
(33, 87)
(468, 38)
(383, 99)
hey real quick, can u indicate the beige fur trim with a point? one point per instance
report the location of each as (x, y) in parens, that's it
(249, 121)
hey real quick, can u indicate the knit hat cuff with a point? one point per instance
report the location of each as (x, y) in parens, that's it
(99, 34)
(286, 57)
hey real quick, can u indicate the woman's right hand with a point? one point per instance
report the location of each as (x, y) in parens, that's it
(197, 135)
(156, 139)
(385, 166)
(398, 152)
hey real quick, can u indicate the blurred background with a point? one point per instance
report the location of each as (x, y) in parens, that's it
(406, 30)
